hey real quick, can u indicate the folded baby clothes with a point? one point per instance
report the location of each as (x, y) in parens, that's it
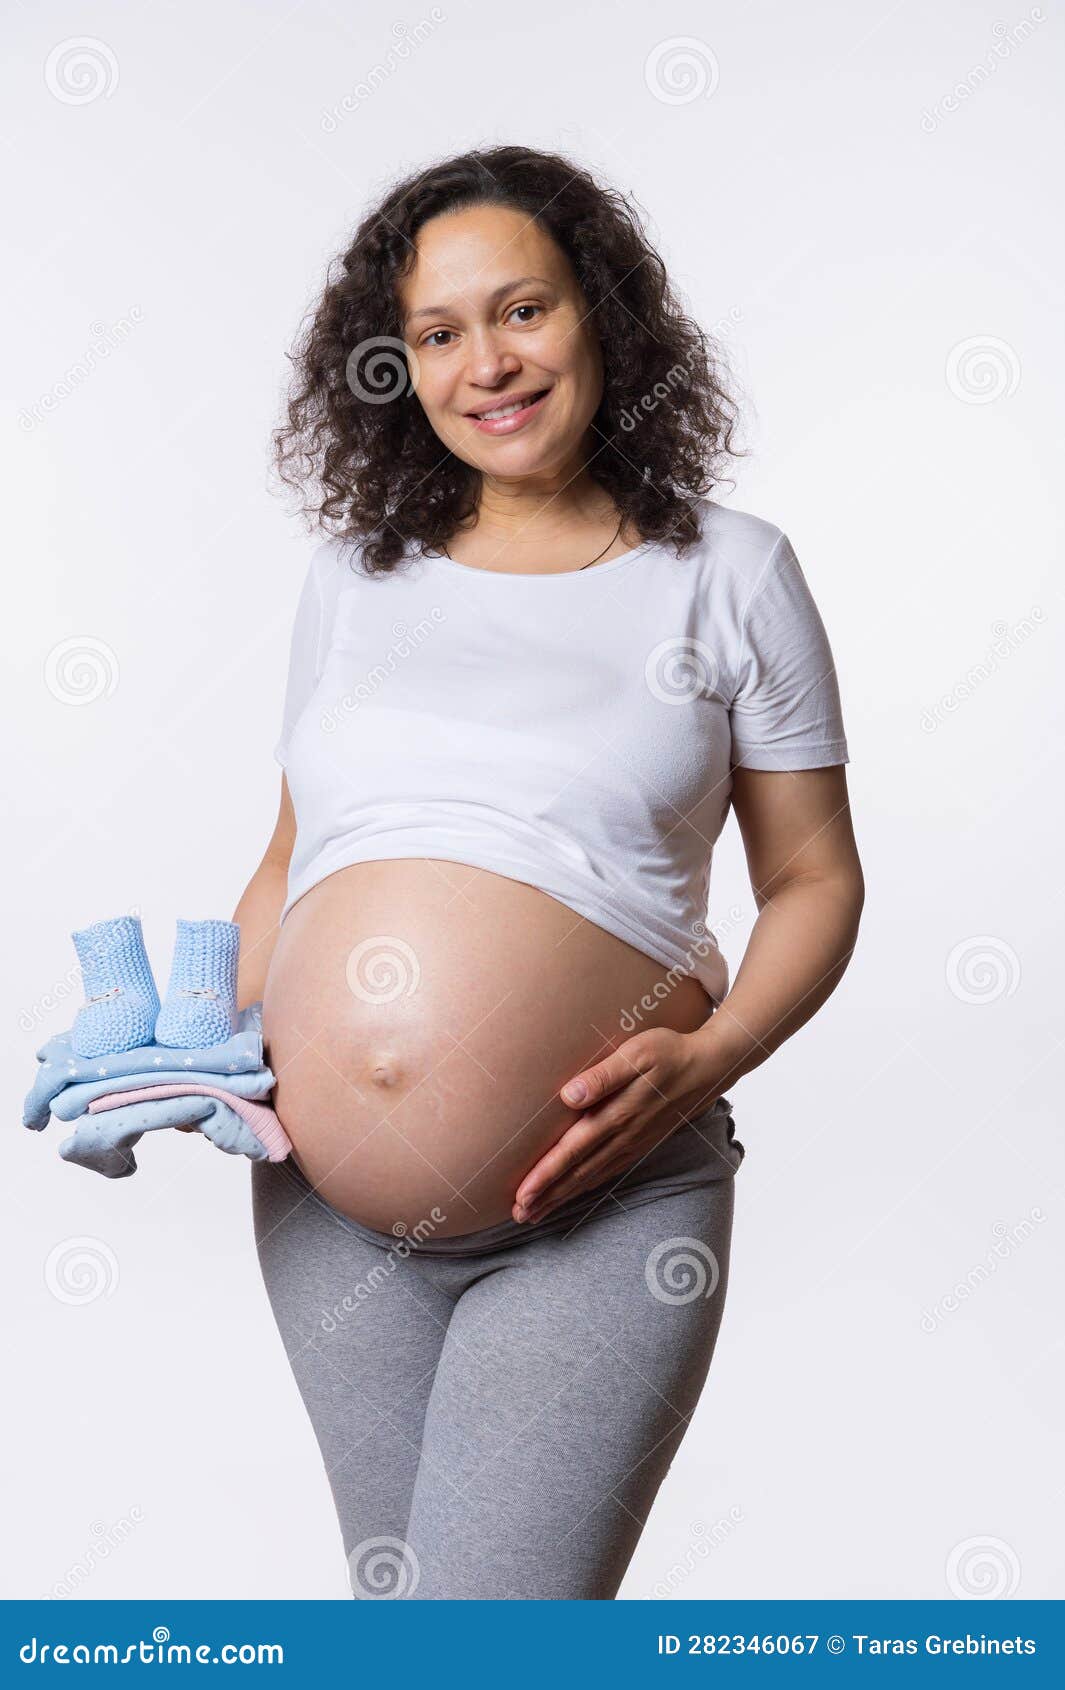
(113, 1101)
(262, 1120)
(59, 1067)
(74, 1100)
(113, 1124)
(105, 1143)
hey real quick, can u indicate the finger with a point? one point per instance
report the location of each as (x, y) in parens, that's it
(598, 1153)
(591, 1085)
(575, 1144)
(625, 1148)
(597, 1170)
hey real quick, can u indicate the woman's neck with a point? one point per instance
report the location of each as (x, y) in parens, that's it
(553, 524)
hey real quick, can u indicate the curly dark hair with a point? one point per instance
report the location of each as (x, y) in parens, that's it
(378, 472)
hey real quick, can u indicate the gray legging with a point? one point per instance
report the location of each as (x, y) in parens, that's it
(496, 1411)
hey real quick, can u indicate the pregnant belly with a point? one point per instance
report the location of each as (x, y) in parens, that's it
(421, 1018)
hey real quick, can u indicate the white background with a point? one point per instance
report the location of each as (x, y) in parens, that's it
(857, 1436)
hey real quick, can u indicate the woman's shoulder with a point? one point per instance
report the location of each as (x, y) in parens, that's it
(333, 555)
(333, 566)
(745, 540)
(736, 550)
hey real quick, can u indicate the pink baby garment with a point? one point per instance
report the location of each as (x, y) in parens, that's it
(262, 1120)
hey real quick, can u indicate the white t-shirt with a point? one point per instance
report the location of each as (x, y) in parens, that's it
(573, 731)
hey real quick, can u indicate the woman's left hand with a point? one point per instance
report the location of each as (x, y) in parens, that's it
(622, 1098)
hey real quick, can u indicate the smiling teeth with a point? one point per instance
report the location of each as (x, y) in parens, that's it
(504, 411)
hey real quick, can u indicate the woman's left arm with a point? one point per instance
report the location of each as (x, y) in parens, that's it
(809, 889)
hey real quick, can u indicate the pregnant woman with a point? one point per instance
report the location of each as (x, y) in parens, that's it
(533, 665)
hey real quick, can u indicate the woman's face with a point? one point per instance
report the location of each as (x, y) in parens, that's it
(493, 314)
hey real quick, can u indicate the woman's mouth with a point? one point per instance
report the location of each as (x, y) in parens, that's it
(509, 414)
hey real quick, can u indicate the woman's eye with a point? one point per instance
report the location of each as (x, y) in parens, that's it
(432, 338)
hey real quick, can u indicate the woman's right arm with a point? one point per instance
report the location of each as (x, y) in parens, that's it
(261, 903)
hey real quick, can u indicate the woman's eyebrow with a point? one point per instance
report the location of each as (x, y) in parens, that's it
(497, 293)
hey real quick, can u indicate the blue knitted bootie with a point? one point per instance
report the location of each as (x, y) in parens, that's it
(122, 1000)
(201, 999)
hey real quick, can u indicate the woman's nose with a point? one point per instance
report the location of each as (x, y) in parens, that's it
(489, 362)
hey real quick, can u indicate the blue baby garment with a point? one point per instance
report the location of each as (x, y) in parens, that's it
(104, 1142)
(66, 1084)
(73, 1101)
(222, 1065)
